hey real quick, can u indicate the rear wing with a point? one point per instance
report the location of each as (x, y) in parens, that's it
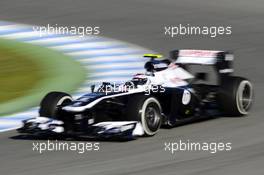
(222, 60)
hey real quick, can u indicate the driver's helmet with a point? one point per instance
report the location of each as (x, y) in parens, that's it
(139, 79)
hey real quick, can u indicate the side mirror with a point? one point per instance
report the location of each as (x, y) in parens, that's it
(92, 88)
(201, 76)
(174, 54)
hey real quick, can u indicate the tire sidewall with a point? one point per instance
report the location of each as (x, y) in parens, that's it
(60, 102)
(229, 96)
(239, 88)
(49, 104)
(145, 126)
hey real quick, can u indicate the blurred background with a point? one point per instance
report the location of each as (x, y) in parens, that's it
(142, 22)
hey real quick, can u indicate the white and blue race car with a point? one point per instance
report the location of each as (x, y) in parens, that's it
(167, 94)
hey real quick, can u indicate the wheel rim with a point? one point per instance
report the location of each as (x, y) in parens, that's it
(152, 117)
(244, 96)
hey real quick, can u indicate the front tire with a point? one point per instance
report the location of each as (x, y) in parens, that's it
(49, 104)
(146, 110)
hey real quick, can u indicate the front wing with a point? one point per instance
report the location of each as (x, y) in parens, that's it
(105, 130)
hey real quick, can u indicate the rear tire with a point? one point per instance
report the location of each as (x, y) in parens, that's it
(236, 96)
(49, 104)
(146, 110)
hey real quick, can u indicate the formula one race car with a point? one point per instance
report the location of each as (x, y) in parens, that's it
(165, 95)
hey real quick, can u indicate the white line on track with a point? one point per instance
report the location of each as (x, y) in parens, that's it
(112, 58)
(105, 51)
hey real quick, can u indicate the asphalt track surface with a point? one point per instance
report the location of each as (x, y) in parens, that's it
(141, 22)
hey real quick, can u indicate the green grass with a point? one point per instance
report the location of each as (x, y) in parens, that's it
(28, 72)
(17, 75)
